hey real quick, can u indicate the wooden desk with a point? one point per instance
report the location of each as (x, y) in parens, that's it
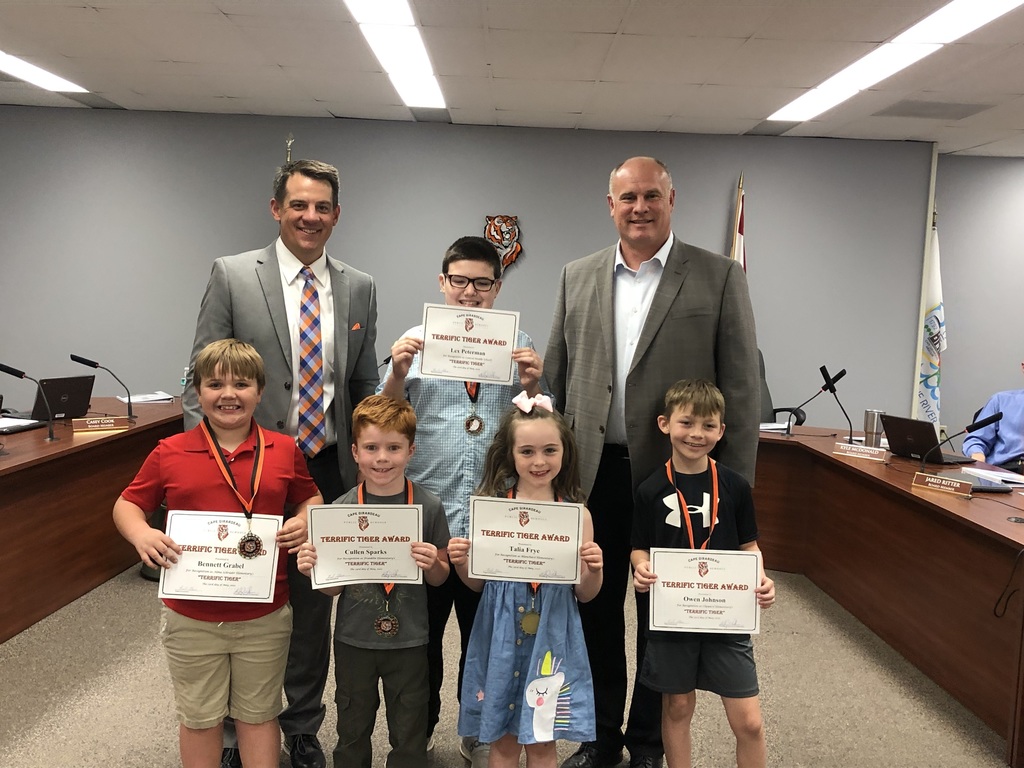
(55, 505)
(921, 569)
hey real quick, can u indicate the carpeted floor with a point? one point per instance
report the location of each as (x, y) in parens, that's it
(88, 687)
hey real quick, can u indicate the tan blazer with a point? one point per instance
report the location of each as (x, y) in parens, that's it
(700, 325)
(245, 300)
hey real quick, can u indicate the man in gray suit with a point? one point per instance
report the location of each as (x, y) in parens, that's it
(256, 297)
(629, 321)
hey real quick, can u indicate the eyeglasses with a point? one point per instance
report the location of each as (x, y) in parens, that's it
(482, 284)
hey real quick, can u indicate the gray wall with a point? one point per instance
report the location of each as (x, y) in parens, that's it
(110, 221)
(980, 201)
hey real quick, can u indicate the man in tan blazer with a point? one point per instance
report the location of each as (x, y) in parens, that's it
(629, 321)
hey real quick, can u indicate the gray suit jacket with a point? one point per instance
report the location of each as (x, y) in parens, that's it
(245, 300)
(700, 325)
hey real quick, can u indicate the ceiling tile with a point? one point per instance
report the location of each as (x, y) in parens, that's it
(593, 16)
(541, 95)
(699, 124)
(537, 119)
(700, 19)
(459, 52)
(652, 98)
(786, 63)
(621, 121)
(536, 55)
(661, 59)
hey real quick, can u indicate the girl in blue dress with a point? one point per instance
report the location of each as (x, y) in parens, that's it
(527, 680)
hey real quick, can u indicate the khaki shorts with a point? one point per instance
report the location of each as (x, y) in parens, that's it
(228, 668)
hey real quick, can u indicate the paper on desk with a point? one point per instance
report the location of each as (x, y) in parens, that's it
(998, 475)
(7, 421)
(770, 427)
(156, 397)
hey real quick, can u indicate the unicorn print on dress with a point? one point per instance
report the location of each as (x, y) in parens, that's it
(549, 699)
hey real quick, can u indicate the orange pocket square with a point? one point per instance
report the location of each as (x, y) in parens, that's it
(357, 326)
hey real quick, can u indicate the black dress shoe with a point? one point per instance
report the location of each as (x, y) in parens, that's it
(645, 761)
(306, 752)
(230, 758)
(590, 756)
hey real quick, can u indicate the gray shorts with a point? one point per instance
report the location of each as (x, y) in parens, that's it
(683, 662)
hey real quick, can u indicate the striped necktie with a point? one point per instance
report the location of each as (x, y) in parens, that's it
(312, 429)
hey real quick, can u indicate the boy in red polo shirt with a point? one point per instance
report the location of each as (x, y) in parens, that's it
(224, 657)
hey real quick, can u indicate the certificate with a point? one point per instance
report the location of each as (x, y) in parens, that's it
(210, 566)
(518, 540)
(469, 344)
(365, 543)
(705, 590)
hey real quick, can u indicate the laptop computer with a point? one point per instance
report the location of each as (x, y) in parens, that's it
(978, 484)
(913, 438)
(68, 396)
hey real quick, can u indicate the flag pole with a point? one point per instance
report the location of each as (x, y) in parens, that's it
(737, 252)
(921, 406)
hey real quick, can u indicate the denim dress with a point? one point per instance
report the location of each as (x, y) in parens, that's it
(538, 687)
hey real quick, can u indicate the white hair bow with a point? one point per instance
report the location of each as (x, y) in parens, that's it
(525, 403)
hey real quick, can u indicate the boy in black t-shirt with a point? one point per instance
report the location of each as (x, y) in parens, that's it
(677, 663)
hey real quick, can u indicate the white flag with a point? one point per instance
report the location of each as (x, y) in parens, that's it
(933, 342)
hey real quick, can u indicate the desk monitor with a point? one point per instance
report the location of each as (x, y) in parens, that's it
(69, 397)
(913, 438)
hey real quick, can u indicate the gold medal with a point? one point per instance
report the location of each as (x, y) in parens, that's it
(250, 545)
(474, 424)
(529, 622)
(386, 625)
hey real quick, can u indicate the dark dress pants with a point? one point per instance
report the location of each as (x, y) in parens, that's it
(604, 625)
(439, 607)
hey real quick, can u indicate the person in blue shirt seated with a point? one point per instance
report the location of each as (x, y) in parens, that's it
(1002, 443)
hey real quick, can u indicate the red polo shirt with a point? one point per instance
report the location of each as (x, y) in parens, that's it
(182, 470)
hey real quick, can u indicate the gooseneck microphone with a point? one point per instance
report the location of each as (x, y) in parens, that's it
(49, 411)
(969, 428)
(94, 364)
(830, 386)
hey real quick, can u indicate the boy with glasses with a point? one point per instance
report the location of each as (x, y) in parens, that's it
(456, 422)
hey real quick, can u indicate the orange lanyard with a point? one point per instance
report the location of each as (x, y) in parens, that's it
(361, 499)
(257, 465)
(685, 512)
(534, 585)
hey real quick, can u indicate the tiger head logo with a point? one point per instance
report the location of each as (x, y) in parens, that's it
(469, 323)
(503, 233)
(702, 568)
(222, 531)
(524, 517)
(364, 522)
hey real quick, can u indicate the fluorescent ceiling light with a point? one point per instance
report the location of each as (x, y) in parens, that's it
(380, 12)
(812, 103)
(953, 21)
(395, 40)
(399, 50)
(30, 73)
(947, 24)
(418, 90)
(878, 65)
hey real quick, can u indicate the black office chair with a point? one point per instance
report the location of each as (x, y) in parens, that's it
(769, 413)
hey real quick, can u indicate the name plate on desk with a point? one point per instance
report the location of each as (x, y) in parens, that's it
(100, 423)
(944, 484)
(855, 451)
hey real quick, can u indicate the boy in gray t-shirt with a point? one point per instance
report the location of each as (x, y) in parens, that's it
(380, 633)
